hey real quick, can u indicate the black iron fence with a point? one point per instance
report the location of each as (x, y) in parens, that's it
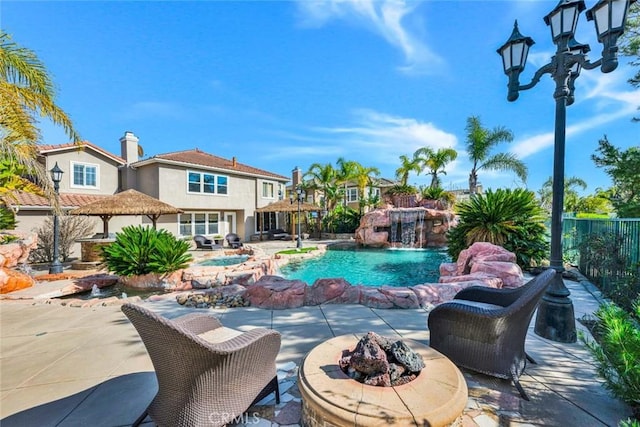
(605, 250)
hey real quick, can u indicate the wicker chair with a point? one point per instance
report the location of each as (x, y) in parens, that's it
(201, 381)
(484, 329)
(204, 243)
(233, 240)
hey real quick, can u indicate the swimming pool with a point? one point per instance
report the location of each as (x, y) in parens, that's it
(371, 267)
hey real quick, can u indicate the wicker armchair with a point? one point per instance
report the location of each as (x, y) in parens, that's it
(484, 329)
(201, 381)
(233, 240)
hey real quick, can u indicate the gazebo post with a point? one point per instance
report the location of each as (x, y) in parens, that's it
(105, 225)
(154, 219)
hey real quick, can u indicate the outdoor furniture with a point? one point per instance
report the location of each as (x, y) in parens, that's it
(278, 234)
(204, 243)
(207, 374)
(484, 329)
(233, 240)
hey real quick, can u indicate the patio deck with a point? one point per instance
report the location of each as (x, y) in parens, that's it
(65, 366)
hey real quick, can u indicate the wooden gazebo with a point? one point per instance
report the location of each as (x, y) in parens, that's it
(129, 202)
(286, 206)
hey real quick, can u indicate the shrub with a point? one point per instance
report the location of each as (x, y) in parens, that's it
(140, 250)
(71, 228)
(512, 219)
(342, 219)
(437, 193)
(617, 354)
(7, 218)
(401, 190)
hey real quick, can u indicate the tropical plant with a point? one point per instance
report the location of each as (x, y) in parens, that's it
(630, 43)
(479, 143)
(7, 218)
(140, 250)
(323, 178)
(342, 219)
(364, 177)
(617, 353)
(26, 93)
(402, 190)
(407, 165)
(622, 166)
(437, 193)
(8, 238)
(346, 172)
(435, 161)
(71, 228)
(508, 218)
(571, 196)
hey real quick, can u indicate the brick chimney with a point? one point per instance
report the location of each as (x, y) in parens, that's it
(129, 147)
(296, 177)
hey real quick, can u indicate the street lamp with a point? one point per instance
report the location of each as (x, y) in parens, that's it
(299, 200)
(56, 177)
(555, 319)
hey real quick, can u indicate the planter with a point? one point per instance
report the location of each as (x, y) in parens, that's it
(404, 200)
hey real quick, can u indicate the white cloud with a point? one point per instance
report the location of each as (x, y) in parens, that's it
(383, 17)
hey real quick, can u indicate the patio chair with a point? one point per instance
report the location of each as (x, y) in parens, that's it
(484, 329)
(233, 240)
(204, 243)
(207, 374)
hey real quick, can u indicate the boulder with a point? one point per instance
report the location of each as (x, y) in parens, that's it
(509, 272)
(431, 294)
(482, 251)
(372, 297)
(400, 297)
(482, 278)
(332, 291)
(11, 280)
(17, 251)
(274, 292)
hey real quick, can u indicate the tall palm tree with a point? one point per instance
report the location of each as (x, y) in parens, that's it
(26, 93)
(363, 176)
(479, 142)
(435, 161)
(407, 165)
(323, 179)
(346, 172)
(571, 197)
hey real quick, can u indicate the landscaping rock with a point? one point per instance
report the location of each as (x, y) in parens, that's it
(274, 292)
(510, 273)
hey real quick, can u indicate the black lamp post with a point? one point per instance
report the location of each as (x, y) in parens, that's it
(555, 319)
(56, 177)
(299, 200)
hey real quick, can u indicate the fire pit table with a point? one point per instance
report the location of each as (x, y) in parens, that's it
(331, 398)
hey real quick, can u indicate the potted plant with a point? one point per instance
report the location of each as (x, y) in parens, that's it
(403, 196)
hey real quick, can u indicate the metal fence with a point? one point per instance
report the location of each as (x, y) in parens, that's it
(605, 250)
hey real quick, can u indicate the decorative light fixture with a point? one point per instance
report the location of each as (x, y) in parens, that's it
(555, 319)
(299, 199)
(56, 265)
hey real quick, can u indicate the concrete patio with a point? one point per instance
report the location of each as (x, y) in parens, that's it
(66, 366)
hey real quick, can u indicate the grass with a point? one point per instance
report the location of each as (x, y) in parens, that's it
(297, 251)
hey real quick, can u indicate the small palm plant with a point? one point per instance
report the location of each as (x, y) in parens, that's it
(141, 250)
(508, 218)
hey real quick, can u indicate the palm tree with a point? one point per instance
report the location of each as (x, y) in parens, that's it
(479, 142)
(435, 161)
(26, 92)
(571, 197)
(363, 176)
(346, 172)
(407, 165)
(323, 179)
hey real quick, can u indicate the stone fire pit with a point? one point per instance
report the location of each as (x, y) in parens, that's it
(381, 361)
(330, 397)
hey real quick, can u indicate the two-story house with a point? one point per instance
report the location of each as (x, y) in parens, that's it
(217, 195)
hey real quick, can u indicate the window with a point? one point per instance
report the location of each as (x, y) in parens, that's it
(373, 192)
(352, 194)
(267, 190)
(84, 175)
(266, 221)
(194, 223)
(206, 183)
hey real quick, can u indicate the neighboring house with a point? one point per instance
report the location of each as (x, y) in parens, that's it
(217, 195)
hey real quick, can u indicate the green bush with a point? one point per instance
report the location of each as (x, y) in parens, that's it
(7, 218)
(401, 190)
(437, 193)
(141, 250)
(342, 219)
(617, 352)
(512, 219)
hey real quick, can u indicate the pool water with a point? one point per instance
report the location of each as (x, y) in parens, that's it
(225, 260)
(371, 267)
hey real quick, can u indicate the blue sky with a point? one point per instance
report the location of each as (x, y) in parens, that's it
(289, 83)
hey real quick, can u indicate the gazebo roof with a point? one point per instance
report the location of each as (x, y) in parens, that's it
(286, 206)
(129, 202)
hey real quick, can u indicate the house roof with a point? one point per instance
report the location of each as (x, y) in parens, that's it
(200, 158)
(67, 200)
(46, 148)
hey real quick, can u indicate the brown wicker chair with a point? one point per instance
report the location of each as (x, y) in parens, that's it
(202, 382)
(484, 329)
